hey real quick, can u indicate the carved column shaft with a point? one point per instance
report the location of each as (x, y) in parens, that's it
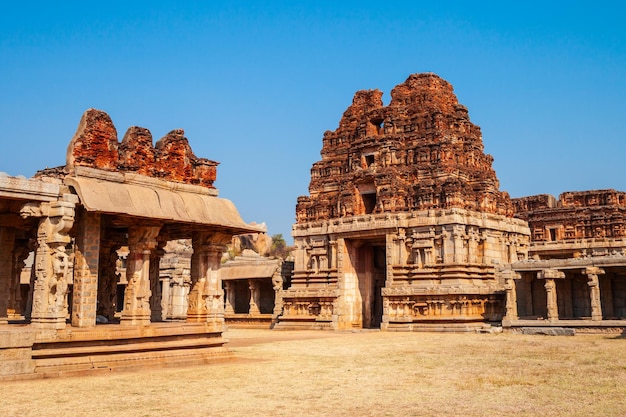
(206, 302)
(255, 296)
(229, 287)
(52, 265)
(141, 242)
(553, 311)
(549, 275)
(594, 291)
(511, 294)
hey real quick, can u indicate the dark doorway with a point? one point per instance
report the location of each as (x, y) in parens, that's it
(369, 262)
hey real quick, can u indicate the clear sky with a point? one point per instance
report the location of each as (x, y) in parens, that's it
(255, 84)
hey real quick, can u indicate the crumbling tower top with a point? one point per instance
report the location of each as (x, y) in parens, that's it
(420, 152)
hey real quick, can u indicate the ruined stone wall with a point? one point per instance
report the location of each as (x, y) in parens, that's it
(576, 215)
(420, 152)
(95, 145)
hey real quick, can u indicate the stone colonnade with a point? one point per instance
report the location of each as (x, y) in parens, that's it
(550, 276)
(64, 263)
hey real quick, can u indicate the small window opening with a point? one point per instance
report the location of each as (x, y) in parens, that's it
(369, 160)
(552, 235)
(369, 202)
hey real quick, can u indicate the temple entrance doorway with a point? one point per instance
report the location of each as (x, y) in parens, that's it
(367, 263)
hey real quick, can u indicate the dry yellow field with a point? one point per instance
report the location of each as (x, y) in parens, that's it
(356, 374)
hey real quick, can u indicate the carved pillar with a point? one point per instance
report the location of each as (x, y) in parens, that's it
(206, 303)
(166, 298)
(255, 296)
(52, 262)
(511, 293)
(332, 262)
(549, 275)
(141, 242)
(229, 287)
(156, 299)
(277, 284)
(107, 279)
(553, 311)
(594, 291)
(7, 243)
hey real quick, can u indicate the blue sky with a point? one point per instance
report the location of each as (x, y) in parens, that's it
(256, 84)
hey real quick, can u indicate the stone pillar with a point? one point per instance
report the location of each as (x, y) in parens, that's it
(229, 287)
(141, 242)
(156, 299)
(509, 277)
(594, 291)
(52, 262)
(107, 279)
(549, 275)
(332, 262)
(7, 243)
(277, 284)
(206, 302)
(86, 265)
(255, 296)
(166, 298)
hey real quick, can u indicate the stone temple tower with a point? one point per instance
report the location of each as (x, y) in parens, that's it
(404, 226)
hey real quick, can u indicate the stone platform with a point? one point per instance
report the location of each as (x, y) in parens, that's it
(104, 348)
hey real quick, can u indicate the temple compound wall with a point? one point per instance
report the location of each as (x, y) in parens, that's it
(404, 227)
(75, 219)
(575, 276)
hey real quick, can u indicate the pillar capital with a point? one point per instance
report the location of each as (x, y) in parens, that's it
(593, 270)
(550, 274)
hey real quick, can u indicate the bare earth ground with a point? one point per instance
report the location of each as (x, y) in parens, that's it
(356, 374)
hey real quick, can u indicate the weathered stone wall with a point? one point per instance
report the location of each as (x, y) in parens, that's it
(95, 145)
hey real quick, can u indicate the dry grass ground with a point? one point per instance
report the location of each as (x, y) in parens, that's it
(356, 374)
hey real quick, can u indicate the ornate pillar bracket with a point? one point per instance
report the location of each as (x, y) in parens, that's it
(52, 262)
(594, 291)
(141, 242)
(549, 275)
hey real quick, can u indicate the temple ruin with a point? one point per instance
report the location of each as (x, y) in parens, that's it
(404, 227)
(75, 219)
(575, 276)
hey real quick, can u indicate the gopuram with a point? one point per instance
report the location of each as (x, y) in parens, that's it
(575, 276)
(404, 227)
(74, 219)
